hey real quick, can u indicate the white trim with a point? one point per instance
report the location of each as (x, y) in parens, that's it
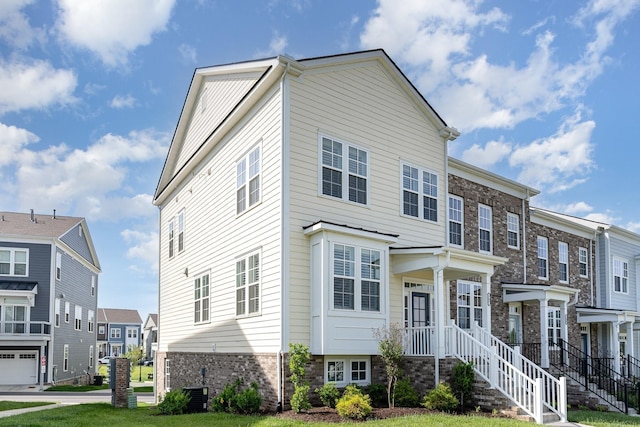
(449, 220)
(420, 192)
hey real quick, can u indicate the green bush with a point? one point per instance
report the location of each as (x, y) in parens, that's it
(462, 384)
(352, 389)
(329, 394)
(223, 402)
(378, 395)
(441, 398)
(354, 406)
(174, 403)
(233, 400)
(405, 395)
(300, 398)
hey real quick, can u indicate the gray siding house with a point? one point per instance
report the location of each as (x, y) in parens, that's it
(48, 299)
(119, 331)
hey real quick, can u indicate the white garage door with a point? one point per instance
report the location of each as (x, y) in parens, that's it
(18, 367)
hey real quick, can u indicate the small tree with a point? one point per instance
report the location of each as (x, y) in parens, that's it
(135, 355)
(391, 353)
(299, 356)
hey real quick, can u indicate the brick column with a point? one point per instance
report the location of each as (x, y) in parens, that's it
(119, 396)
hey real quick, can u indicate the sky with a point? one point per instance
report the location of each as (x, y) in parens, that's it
(543, 92)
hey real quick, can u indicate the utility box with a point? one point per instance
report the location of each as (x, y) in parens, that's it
(199, 398)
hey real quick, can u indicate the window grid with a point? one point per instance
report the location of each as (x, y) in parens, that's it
(583, 261)
(67, 312)
(14, 262)
(248, 181)
(201, 299)
(334, 175)
(484, 228)
(344, 273)
(563, 261)
(370, 267)
(65, 358)
(455, 220)
(58, 265)
(57, 313)
(90, 321)
(543, 258)
(347, 371)
(513, 231)
(78, 318)
(469, 298)
(356, 279)
(181, 231)
(248, 285)
(554, 324)
(620, 276)
(419, 193)
(171, 236)
(115, 333)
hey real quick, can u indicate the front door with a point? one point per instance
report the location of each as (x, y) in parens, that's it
(421, 334)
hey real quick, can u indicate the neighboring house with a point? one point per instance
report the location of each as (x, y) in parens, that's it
(119, 330)
(150, 336)
(48, 299)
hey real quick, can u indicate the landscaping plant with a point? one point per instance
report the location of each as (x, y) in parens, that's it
(174, 402)
(353, 404)
(299, 356)
(391, 353)
(462, 384)
(441, 398)
(329, 394)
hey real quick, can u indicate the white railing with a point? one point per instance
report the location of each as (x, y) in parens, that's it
(526, 384)
(421, 341)
(24, 328)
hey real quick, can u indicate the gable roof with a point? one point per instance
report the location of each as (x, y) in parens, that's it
(16, 225)
(119, 315)
(152, 321)
(263, 75)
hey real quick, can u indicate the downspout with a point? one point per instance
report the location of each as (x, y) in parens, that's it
(284, 234)
(439, 307)
(524, 239)
(595, 242)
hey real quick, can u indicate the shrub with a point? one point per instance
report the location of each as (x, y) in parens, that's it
(232, 399)
(300, 399)
(378, 395)
(223, 402)
(405, 395)
(462, 384)
(354, 406)
(391, 352)
(174, 402)
(329, 394)
(249, 400)
(441, 398)
(352, 389)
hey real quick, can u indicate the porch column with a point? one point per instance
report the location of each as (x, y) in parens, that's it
(630, 340)
(439, 348)
(615, 344)
(485, 299)
(544, 335)
(564, 331)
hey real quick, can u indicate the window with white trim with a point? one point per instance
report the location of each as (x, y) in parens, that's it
(90, 321)
(93, 285)
(513, 230)
(583, 260)
(248, 181)
(554, 324)
(91, 356)
(67, 311)
(132, 333)
(543, 258)
(181, 231)
(485, 227)
(65, 358)
(344, 166)
(248, 285)
(13, 319)
(115, 332)
(57, 312)
(356, 278)
(419, 193)
(171, 237)
(78, 318)
(58, 265)
(620, 275)
(456, 220)
(469, 302)
(201, 299)
(563, 262)
(167, 375)
(14, 262)
(343, 371)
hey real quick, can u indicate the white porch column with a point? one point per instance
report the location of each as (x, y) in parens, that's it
(564, 331)
(486, 302)
(615, 345)
(439, 349)
(544, 335)
(630, 340)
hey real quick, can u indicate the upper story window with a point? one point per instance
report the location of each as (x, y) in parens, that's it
(181, 231)
(58, 265)
(14, 262)
(484, 228)
(620, 275)
(201, 299)
(132, 333)
(563, 262)
(513, 231)
(65, 358)
(171, 237)
(78, 318)
(90, 321)
(115, 332)
(543, 258)
(93, 285)
(419, 193)
(248, 285)
(176, 226)
(248, 181)
(583, 259)
(57, 312)
(356, 278)
(344, 167)
(67, 311)
(456, 220)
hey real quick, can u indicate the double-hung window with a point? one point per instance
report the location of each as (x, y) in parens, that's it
(67, 311)
(455, 220)
(419, 193)
(78, 318)
(620, 275)
(201, 299)
(115, 332)
(57, 312)
(58, 265)
(563, 262)
(90, 321)
(583, 260)
(65, 358)
(513, 231)
(344, 166)
(14, 262)
(484, 228)
(181, 231)
(176, 226)
(543, 258)
(248, 181)
(356, 278)
(248, 285)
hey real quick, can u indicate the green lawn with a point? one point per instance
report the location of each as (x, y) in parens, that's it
(603, 419)
(7, 405)
(137, 372)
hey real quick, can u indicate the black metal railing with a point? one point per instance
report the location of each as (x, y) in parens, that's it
(631, 368)
(530, 350)
(595, 374)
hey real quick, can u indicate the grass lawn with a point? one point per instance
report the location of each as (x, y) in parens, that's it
(137, 372)
(7, 405)
(603, 419)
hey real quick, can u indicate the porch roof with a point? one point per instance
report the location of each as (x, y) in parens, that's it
(18, 292)
(520, 292)
(456, 263)
(605, 315)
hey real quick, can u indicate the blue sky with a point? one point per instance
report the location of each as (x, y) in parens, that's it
(544, 92)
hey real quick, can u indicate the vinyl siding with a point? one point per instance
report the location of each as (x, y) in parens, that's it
(222, 95)
(215, 236)
(78, 243)
(625, 251)
(364, 107)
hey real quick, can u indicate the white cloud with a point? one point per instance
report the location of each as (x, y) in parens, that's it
(112, 29)
(142, 246)
(13, 141)
(577, 208)
(122, 101)
(35, 84)
(277, 46)
(188, 53)
(633, 226)
(487, 156)
(15, 27)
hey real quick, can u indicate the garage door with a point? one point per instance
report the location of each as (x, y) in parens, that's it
(18, 367)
